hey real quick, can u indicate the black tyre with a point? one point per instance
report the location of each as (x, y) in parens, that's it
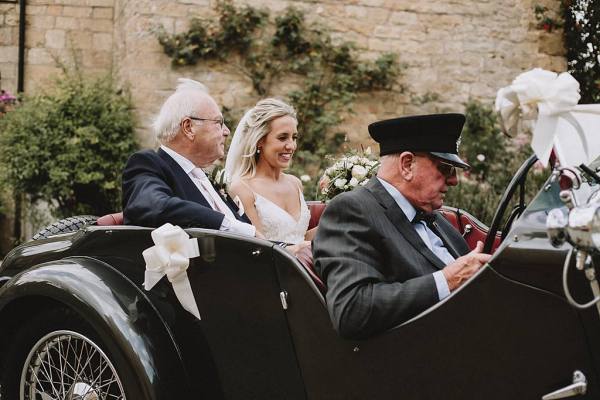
(66, 225)
(56, 355)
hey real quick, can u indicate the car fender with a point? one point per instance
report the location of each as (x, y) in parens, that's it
(117, 310)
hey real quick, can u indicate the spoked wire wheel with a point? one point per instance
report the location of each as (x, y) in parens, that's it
(65, 365)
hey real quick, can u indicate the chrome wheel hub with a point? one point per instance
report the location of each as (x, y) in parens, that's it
(65, 365)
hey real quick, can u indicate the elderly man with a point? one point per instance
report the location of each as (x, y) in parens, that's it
(169, 185)
(383, 254)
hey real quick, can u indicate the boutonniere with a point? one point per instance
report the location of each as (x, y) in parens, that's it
(217, 179)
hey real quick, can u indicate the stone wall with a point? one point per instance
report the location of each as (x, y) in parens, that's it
(453, 49)
(57, 32)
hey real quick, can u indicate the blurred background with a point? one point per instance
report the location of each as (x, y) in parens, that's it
(82, 79)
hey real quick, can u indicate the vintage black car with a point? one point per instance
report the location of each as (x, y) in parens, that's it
(76, 322)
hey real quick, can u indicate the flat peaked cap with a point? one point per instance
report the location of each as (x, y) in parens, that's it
(438, 134)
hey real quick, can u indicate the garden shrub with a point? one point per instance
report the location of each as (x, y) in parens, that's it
(494, 159)
(68, 146)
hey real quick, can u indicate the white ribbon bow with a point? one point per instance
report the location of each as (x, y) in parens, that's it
(171, 256)
(551, 98)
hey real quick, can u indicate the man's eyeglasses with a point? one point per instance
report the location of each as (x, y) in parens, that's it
(220, 121)
(448, 170)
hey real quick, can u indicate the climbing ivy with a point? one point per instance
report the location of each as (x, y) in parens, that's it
(268, 50)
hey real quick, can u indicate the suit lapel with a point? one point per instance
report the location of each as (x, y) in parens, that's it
(394, 213)
(189, 189)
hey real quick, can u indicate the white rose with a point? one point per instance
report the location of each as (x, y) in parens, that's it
(359, 172)
(339, 183)
(305, 178)
(481, 157)
(355, 159)
(363, 183)
(353, 182)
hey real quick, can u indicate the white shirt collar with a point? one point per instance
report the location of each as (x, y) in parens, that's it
(183, 162)
(402, 202)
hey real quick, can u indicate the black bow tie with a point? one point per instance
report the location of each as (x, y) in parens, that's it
(428, 218)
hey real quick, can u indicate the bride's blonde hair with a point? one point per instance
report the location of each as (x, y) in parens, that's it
(255, 125)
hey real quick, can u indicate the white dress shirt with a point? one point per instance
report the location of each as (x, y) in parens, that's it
(230, 223)
(432, 241)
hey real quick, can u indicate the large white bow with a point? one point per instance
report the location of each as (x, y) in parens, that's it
(171, 256)
(573, 130)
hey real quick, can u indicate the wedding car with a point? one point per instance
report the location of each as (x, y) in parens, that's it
(79, 323)
(93, 309)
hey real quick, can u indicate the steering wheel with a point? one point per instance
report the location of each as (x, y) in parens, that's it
(518, 181)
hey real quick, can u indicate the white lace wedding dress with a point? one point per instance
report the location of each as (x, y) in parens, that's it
(280, 225)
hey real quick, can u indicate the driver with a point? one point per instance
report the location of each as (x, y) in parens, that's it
(382, 251)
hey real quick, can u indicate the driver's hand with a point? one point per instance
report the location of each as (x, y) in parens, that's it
(461, 269)
(303, 252)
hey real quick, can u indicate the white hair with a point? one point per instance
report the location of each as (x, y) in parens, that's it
(182, 103)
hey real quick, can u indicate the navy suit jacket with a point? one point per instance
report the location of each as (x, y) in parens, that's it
(156, 190)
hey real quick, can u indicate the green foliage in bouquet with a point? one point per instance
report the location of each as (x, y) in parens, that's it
(582, 40)
(330, 75)
(494, 159)
(69, 147)
(346, 172)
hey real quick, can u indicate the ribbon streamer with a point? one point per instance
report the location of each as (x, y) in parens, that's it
(546, 103)
(171, 256)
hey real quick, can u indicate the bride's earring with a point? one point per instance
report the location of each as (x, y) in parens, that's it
(258, 151)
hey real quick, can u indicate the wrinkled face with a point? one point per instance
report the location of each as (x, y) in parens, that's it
(431, 179)
(209, 137)
(278, 146)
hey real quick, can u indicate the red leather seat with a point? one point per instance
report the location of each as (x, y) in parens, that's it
(110, 219)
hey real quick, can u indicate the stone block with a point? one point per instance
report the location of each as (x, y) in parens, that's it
(101, 60)
(38, 56)
(205, 3)
(41, 21)
(403, 18)
(99, 25)
(67, 23)
(8, 36)
(35, 10)
(55, 39)
(9, 54)
(102, 12)
(551, 44)
(39, 76)
(11, 19)
(102, 41)
(77, 12)
(54, 9)
(35, 38)
(80, 40)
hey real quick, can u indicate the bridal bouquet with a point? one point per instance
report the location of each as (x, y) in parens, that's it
(346, 172)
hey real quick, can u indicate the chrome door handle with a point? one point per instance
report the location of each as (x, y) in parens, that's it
(579, 386)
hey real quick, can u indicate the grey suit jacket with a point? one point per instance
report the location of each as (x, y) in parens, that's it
(377, 269)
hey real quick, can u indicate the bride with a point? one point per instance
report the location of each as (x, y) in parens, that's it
(262, 148)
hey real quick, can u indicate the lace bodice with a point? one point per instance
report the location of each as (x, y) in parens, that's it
(278, 224)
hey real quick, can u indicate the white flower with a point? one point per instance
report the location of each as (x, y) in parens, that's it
(363, 183)
(353, 182)
(339, 183)
(359, 172)
(305, 178)
(480, 157)
(355, 159)
(372, 163)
